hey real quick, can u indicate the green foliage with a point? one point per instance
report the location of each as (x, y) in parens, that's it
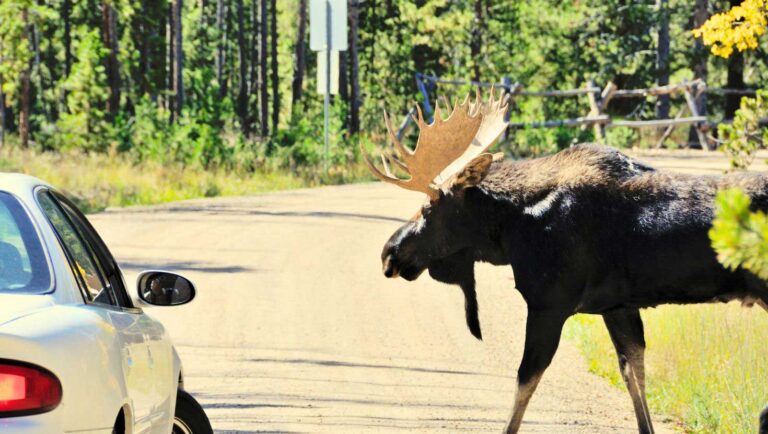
(745, 136)
(739, 237)
(621, 137)
(15, 49)
(541, 141)
(83, 125)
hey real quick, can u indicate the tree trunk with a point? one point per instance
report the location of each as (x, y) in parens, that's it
(300, 65)
(735, 77)
(24, 97)
(275, 82)
(264, 95)
(662, 58)
(221, 25)
(66, 12)
(112, 67)
(476, 42)
(254, 74)
(2, 116)
(354, 65)
(735, 81)
(178, 59)
(242, 98)
(699, 65)
(170, 60)
(344, 78)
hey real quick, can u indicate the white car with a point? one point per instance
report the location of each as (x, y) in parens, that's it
(77, 353)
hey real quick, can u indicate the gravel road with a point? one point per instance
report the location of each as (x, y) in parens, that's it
(296, 330)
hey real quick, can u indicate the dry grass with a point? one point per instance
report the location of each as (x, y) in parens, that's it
(707, 364)
(97, 181)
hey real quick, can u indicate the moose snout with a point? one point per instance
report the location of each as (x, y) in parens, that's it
(389, 267)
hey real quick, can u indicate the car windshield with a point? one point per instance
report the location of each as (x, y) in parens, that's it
(23, 267)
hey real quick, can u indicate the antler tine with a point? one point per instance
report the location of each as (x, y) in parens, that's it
(404, 152)
(474, 108)
(436, 118)
(386, 166)
(398, 163)
(420, 119)
(377, 173)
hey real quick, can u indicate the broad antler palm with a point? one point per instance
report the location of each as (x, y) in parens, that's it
(444, 146)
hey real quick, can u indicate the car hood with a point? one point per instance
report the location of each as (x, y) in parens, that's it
(13, 306)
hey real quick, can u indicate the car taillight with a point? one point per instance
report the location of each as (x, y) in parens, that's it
(27, 389)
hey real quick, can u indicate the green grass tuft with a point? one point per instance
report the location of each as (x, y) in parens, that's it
(707, 365)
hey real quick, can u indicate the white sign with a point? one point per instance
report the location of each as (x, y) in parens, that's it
(322, 15)
(322, 71)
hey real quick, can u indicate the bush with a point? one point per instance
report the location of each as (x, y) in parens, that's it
(745, 136)
(621, 137)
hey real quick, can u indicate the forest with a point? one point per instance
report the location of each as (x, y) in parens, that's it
(231, 83)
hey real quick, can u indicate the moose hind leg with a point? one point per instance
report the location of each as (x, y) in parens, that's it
(626, 330)
(542, 336)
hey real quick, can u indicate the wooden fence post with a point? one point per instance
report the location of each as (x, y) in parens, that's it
(695, 113)
(595, 111)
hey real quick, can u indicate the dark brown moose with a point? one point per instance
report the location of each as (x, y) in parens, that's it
(587, 230)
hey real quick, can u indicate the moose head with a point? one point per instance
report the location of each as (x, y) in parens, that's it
(449, 159)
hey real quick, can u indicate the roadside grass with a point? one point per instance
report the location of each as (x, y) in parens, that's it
(98, 181)
(707, 365)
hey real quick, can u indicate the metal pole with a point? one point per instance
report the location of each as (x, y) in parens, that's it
(327, 101)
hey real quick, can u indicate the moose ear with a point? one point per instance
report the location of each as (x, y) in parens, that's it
(475, 171)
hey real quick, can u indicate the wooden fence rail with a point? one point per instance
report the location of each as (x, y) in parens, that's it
(599, 99)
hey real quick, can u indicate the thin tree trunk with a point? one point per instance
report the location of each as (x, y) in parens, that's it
(242, 98)
(476, 42)
(264, 95)
(735, 77)
(2, 114)
(300, 65)
(221, 25)
(38, 73)
(66, 12)
(254, 70)
(354, 77)
(171, 61)
(178, 57)
(662, 58)
(24, 97)
(735, 81)
(699, 66)
(275, 82)
(344, 78)
(112, 67)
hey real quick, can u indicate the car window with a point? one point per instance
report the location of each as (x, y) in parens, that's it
(23, 264)
(101, 253)
(87, 270)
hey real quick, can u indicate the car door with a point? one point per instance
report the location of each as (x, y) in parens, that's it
(104, 292)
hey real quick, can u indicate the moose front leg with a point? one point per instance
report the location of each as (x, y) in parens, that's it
(542, 336)
(626, 329)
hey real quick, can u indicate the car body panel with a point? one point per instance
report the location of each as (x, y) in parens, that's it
(107, 358)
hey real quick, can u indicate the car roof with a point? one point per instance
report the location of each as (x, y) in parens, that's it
(19, 183)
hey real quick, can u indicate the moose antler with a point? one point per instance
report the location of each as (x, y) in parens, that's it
(444, 146)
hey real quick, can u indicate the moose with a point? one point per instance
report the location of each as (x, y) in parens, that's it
(587, 230)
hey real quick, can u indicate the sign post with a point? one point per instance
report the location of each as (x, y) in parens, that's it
(327, 36)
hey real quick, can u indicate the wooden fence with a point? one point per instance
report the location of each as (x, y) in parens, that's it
(597, 117)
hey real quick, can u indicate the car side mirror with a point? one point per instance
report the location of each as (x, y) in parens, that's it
(162, 288)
